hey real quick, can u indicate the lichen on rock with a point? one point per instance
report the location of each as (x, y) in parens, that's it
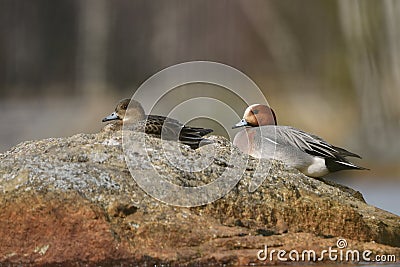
(74, 200)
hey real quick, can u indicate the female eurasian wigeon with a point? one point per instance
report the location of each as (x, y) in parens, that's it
(159, 126)
(306, 152)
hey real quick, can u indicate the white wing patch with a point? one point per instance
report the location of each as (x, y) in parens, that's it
(346, 163)
(270, 140)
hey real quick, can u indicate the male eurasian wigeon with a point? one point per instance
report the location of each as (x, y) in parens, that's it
(308, 153)
(158, 126)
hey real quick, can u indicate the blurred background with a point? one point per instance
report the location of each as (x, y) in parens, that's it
(331, 68)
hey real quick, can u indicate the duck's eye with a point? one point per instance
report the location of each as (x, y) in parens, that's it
(255, 111)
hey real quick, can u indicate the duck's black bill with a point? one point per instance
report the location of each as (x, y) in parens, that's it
(241, 123)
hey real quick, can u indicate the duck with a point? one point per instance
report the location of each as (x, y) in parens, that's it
(158, 126)
(310, 154)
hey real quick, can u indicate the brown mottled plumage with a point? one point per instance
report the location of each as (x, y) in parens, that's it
(159, 126)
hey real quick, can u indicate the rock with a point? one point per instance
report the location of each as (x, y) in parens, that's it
(73, 201)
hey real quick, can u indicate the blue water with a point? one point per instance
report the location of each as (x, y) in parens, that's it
(384, 194)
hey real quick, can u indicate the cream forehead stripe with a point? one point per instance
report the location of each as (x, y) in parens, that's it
(248, 110)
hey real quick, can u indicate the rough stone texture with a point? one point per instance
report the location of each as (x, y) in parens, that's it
(73, 200)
